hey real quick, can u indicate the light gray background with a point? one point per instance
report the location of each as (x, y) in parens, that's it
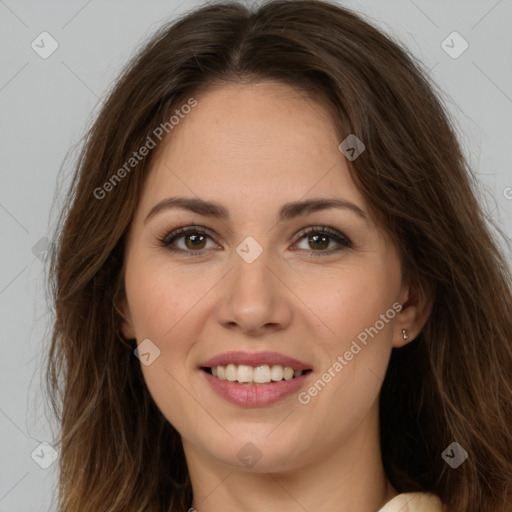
(46, 105)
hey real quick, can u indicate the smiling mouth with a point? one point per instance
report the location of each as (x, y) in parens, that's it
(250, 376)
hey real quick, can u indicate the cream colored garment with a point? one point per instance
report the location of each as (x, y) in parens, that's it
(413, 502)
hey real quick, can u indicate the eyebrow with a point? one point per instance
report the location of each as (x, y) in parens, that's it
(287, 212)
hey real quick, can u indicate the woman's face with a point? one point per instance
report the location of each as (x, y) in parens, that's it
(251, 289)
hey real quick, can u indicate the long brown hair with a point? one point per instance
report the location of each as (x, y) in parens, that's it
(451, 384)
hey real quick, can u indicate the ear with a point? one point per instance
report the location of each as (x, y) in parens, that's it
(126, 318)
(416, 308)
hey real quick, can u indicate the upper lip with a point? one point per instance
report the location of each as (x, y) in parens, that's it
(255, 359)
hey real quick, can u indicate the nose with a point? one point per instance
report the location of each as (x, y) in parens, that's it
(254, 298)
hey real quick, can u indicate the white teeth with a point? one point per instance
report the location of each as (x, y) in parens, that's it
(288, 373)
(231, 372)
(277, 372)
(263, 374)
(245, 373)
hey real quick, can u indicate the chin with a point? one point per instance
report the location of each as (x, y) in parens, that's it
(257, 453)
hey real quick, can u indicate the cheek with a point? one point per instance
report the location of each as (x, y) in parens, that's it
(161, 298)
(349, 300)
(350, 304)
(163, 301)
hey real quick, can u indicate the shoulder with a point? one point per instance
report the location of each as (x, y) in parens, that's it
(413, 502)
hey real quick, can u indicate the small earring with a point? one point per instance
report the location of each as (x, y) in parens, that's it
(404, 332)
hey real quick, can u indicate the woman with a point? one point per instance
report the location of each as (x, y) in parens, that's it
(274, 286)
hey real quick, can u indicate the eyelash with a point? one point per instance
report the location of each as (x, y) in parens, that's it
(331, 233)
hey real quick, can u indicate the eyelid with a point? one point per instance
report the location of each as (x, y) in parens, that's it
(172, 233)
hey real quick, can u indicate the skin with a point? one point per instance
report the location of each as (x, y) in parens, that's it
(252, 148)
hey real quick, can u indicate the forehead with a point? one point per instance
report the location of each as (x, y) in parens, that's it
(260, 141)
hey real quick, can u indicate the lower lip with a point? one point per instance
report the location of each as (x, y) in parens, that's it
(255, 395)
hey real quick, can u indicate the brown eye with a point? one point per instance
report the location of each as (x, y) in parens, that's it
(196, 241)
(318, 240)
(193, 238)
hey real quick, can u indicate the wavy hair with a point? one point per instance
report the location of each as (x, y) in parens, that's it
(118, 453)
